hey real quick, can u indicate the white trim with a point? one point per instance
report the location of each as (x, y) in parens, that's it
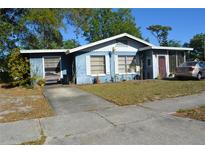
(116, 63)
(44, 51)
(98, 75)
(166, 48)
(107, 64)
(130, 73)
(154, 65)
(108, 39)
(166, 63)
(43, 67)
(87, 61)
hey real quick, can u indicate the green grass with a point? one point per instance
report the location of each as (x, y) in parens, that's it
(134, 92)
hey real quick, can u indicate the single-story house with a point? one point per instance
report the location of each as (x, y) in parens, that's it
(118, 58)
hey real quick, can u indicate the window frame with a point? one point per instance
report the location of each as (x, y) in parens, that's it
(100, 74)
(121, 73)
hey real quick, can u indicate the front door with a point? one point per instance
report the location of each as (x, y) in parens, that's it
(162, 66)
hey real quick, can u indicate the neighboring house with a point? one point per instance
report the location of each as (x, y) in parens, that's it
(118, 58)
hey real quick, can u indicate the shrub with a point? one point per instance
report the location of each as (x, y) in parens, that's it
(41, 82)
(4, 77)
(18, 68)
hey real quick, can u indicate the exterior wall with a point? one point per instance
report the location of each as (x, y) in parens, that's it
(111, 50)
(37, 64)
(156, 54)
(148, 69)
(132, 46)
(83, 75)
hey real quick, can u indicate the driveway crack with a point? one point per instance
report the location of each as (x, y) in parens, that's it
(113, 124)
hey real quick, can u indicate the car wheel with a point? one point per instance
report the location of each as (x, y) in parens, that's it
(199, 76)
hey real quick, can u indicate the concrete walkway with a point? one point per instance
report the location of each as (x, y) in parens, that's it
(83, 118)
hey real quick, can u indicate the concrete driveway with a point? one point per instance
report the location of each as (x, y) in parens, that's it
(83, 118)
(67, 100)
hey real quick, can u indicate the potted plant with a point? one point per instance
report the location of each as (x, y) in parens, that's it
(96, 80)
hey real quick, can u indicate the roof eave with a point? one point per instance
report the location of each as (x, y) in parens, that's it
(106, 40)
(165, 48)
(43, 51)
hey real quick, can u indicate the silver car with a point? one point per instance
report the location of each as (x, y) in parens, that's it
(195, 69)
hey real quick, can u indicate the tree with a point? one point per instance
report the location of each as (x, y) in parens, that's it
(36, 28)
(174, 43)
(160, 33)
(11, 27)
(30, 28)
(18, 68)
(198, 43)
(42, 28)
(104, 23)
(69, 44)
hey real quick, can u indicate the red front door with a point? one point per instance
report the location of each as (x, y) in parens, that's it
(162, 66)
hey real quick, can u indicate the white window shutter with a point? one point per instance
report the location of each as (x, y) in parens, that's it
(107, 64)
(88, 65)
(116, 64)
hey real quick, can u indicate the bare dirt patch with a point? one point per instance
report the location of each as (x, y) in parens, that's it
(21, 103)
(197, 113)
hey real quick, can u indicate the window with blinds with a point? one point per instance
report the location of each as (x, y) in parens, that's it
(125, 64)
(97, 64)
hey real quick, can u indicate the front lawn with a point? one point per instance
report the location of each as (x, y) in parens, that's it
(21, 103)
(134, 92)
(197, 113)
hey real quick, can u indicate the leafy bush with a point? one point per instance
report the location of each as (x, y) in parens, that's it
(4, 77)
(18, 68)
(41, 82)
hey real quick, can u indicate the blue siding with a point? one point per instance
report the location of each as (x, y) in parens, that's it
(81, 70)
(81, 74)
(36, 63)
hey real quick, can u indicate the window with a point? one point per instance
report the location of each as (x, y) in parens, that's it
(148, 62)
(202, 64)
(180, 57)
(97, 64)
(172, 61)
(126, 64)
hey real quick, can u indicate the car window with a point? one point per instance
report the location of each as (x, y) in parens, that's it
(201, 64)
